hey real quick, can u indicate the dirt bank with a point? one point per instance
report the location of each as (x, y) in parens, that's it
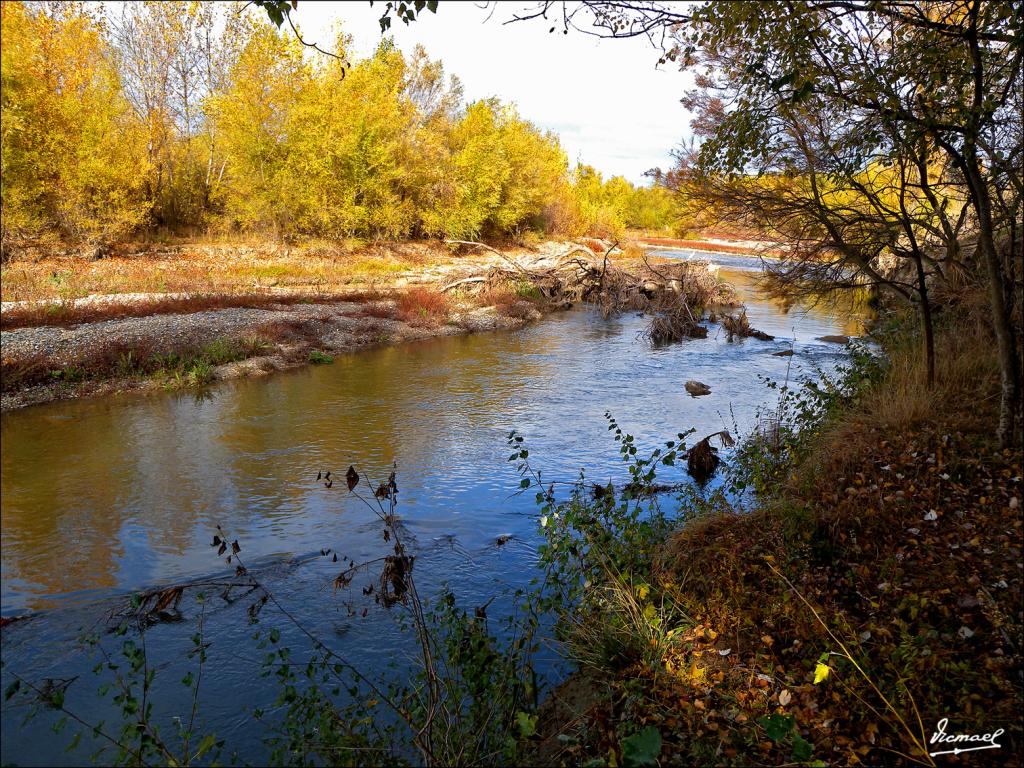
(718, 245)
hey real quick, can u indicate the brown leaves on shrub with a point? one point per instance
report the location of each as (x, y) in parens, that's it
(394, 579)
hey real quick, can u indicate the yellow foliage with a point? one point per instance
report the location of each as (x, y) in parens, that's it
(71, 149)
(187, 115)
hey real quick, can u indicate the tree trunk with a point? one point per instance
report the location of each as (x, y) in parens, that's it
(1002, 321)
(1009, 399)
(926, 320)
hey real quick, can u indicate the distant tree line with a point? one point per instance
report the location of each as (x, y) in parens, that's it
(189, 116)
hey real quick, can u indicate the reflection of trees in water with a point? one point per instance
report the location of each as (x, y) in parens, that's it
(171, 466)
(97, 501)
(845, 310)
(150, 466)
(62, 507)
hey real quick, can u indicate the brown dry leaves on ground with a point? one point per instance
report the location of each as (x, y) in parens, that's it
(914, 563)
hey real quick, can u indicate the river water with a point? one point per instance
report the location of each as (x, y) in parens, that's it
(104, 497)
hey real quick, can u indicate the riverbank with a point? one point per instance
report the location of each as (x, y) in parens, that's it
(873, 591)
(58, 346)
(47, 363)
(718, 245)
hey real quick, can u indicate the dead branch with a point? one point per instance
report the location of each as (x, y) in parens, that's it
(465, 280)
(675, 294)
(495, 251)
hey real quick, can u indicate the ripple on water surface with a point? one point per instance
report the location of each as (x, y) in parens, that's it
(101, 497)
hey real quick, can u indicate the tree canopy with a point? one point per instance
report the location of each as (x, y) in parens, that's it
(195, 116)
(854, 132)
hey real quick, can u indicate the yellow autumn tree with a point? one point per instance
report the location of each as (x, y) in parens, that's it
(185, 115)
(356, 147)
(72, 154)
(258, 121)
(507, 172)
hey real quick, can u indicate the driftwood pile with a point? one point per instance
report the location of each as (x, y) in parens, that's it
(674, 295)
(558, 278)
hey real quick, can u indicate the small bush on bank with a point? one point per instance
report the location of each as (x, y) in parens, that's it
(527, 290)
(424, 307)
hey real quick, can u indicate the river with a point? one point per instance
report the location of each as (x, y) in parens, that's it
(104, 497)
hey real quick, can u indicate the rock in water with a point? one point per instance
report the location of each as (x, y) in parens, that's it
(696, 388)
(783, 353)
(835, 339)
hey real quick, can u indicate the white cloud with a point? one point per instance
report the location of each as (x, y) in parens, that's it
(605, 98)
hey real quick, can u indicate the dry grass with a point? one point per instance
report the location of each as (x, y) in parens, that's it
(596, 246)
(423, 307)
(185, 267)
(633, 252)
(19, 372)
(964, 398)
(509, 301)
(377, 266)
(507, 295)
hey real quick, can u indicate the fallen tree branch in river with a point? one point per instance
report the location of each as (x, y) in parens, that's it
(675, 294)
(739, 325)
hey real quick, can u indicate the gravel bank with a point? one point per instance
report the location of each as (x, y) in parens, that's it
(337, 327)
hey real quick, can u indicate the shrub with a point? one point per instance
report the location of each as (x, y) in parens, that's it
(423, 307)
(527, 290)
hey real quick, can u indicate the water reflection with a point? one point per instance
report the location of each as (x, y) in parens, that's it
(115, 494)
(104, 496)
